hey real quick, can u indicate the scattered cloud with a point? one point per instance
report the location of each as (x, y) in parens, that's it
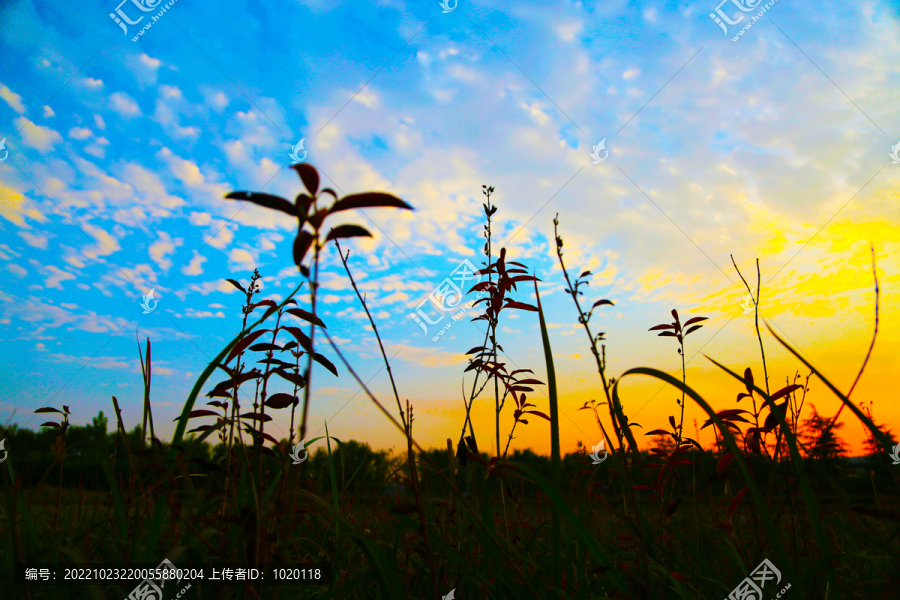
(13, 99)
(124, 104)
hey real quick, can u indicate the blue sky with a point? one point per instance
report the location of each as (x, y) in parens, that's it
(773, 146)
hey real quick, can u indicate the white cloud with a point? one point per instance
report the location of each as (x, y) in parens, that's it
(35, 240)
(200, 218)
(106, 244)
(568, 31)
(161, 249)
(48, 112)
(155, 197)
(222, 237)
(16, 270)
(242, 259)
(124, 104)
(80, 133)
(54, 276)
(193, 267)
(101, 124)
(13, 99)
(217, 100)
(152, 63)
(38, 137)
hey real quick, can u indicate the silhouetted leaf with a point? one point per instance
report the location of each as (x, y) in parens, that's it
(294, 378)
(658, 327)
(772, 419)
(256, 416)
(347, 231)
(737, 500)
(723, 462)
(233, 381)
(691, 329)
(281, 401)
(602, 302)
(316, 219)
(200, 413)
(57, 425)
(694, 320)
(309, 176)
(325, 363)
(200, 428)
(48, 409)
(265, 200)
(521, 306)
(785, 391)
(301, 246)
(236, 284)
(368, 200)
(692, 442)
(242, 345)
(278, 362)
(753, 441)
(269, 303)
(538, 413)
(307, 316)
(301, 337)
(264, 347)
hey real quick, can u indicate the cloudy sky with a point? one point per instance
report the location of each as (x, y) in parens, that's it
(769, 142)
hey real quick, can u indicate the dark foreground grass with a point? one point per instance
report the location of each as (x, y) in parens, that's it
(680, 521)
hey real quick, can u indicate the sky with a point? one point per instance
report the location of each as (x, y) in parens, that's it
(667, 142)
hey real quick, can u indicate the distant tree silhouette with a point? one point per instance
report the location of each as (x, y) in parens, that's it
(871, 445)
(820, 441)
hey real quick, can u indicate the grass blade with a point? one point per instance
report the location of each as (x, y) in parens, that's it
(555, 463)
